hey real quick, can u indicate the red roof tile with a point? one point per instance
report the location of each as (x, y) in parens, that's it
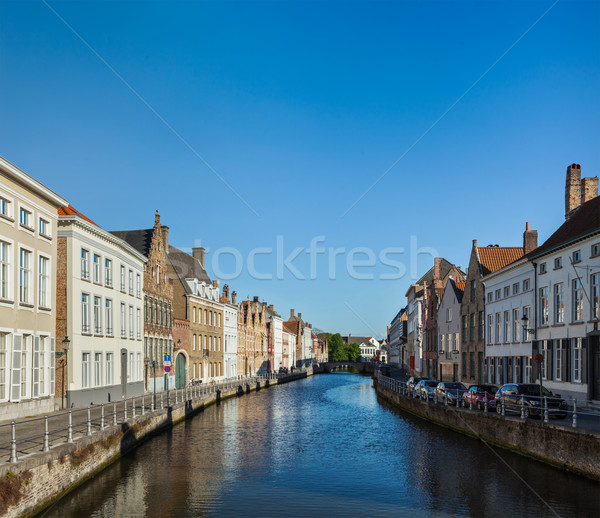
(460, 286)
(492, 258)
(71, 211)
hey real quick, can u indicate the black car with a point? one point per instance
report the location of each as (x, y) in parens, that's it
(412, 383)
(527, 396)
(452, 389)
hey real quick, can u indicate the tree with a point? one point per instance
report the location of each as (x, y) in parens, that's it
(337, 348)
(353, 352)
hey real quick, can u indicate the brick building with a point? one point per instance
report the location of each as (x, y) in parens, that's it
(153, 243)
(255, 357)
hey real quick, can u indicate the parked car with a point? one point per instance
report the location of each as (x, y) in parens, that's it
(478, 394)
(453, 390)
(283, 370)
(527, 395)
(425, 389)
(412, 383)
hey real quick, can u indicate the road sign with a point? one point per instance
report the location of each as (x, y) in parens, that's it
(539, 358)
(167, 368)
(167, 358)
(168, 364)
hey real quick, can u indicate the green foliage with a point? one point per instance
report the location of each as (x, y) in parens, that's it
(337, 348)
(353, 352)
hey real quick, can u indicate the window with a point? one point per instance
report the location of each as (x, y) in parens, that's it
(151, 311)
(480, 326)
(472, 364)
(595, 249)
(122, 278)
(515, 288)
(545, 363)
(85, 264)
(44, 228)
(97, 263)
(98, 315)
(85, 313)
(472, 327)
(490, 328)
(138, 285)
(170, 320)
(5, 208)
(130, 367)
(506, 291)
(544, 306)
(558, 263)
(160, 313)
(24, 371)
(489, 296)
(577, 359)
(497, 294)
(576, 256)
(4, 270)
(448, 314)
(85, 370)
(108, 308)
(97, 369)
(194, 343)
(526, 285)
(130, 321)
(42, 366)
(138, 367)
(43, 284)
(108, 280)
(24, 276)
(506, 326)
(138, 326)
(497, 334)
(109, 368)
(526, 313)
(577, 300)
(464, 364)
(130, 282)
(25, 218)
(559, 307)
(123, 320)
(473, 286)
(595, 296)
(3, 365)
(542, 268)
(515, 325)
(558, 360)
(145, 308)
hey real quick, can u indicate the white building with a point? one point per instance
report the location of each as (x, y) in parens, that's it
(288, 347)
(102, 277)
(509, 296)
(369, 346)
(230, 335)
(414, 328)
(397, 344)
(275, 329)
(28, 259)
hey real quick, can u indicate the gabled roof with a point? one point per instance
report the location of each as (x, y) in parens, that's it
(68, 210)
(459, 288)
(292, 326)
(287, 330)
(585, 221)
(492, 258)
(138, 239)
(445, 267)
(186, 267)
(356, 339)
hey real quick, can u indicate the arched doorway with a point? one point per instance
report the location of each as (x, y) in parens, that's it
(180, 371)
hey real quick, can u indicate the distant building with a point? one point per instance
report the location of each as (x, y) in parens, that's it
(288, 347)
(397, 339)
(369, 346)
(304, 339)
(448, 324)
(230, 335)
(28, 308)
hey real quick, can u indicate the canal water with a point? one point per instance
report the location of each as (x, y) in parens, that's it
(324, 446)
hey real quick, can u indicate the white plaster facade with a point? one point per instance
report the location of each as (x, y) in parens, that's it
(230, 343)
(288, 348)
(448, 324)
(277, 326)
(414, 346)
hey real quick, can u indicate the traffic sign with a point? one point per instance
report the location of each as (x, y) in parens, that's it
(539, 358)
(167, 358)
(167, 364)
(167, 368)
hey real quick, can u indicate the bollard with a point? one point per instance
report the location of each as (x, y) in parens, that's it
(503, 408)
(574, 425)
(522, 408)
(546, 420)
(143, 405)
(133, 405)
(435, 397)
(13, 442)
(70, 427)
(457, 398)
(125, 411)
(471, 402)
(102, 416)
(46, 435)
(445, 397)
(162, 406)
(153, 402)
(89, 421)
(485, 402)
(115, 413)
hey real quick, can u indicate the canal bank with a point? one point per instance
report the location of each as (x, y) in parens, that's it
(574, 450)
(39, 479)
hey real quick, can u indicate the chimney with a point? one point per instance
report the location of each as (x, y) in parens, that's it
(198, 253)
(157, 218)
(291, 313)
(255, 298)
(529, 239)
(572, 189)
(299, 316)
(216, 283)
(226, 291)
(589, 189)
(165, 236)
(474, 243)
(271, 307)
(233, 297)
(437, 268)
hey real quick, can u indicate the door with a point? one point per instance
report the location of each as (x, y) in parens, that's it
(180, 371)
(124, 373)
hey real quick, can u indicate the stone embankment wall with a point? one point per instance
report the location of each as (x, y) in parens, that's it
(39, 479)
(575, 450)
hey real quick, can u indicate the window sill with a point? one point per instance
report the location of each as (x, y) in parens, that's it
(546, 326)
(97, 283)
(86, 334)
(562, 324)
(25, 305)
(6, 301)
(27, 227)
(6, 218)
(86, 279)
(46, 236)
(99, 335)
(578, 323)
(44, 308)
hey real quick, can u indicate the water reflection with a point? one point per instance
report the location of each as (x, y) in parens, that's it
(322, 447)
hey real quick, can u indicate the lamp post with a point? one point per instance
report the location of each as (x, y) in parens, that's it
(66, 342)
(539, 358)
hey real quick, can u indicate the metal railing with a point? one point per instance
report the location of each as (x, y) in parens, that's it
(521, 405)
(32, 435)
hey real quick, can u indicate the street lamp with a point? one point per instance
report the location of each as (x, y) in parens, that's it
(539, 358)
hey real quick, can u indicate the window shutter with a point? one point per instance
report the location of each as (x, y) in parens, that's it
(550, 359)
(15, 382)
(584, 359)
(535, 368)
(36, 366)
(566, 352)
(52, 366)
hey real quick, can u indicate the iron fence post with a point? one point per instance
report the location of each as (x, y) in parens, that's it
(102, 416)
(574, 425)
(143, 404)
(89, 421)
(46, 435)
(125, 410)
(70, 427)
(546, 420)
(115, 413)
(522, 408)
(485, 402)
(13, 442)
(133, 410)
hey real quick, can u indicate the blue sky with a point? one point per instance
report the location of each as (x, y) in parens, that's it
(300, 107)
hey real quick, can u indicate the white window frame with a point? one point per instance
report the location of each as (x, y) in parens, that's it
(109, 316)
(85, 264)
(577, 298)
(6, 206)
(44, 227)
(98, 369)
(131, 324)
(4, 365)
(97, 268)
(577, 359)
(108, 277)
(86, 327)
(86, 360)
(25, 274)
(109, 368)
(6, 276)
(559, 303)
(123, 313)
(44, 269)
(558, 366)
(122, 277)
(27, 224)
(97, 315)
